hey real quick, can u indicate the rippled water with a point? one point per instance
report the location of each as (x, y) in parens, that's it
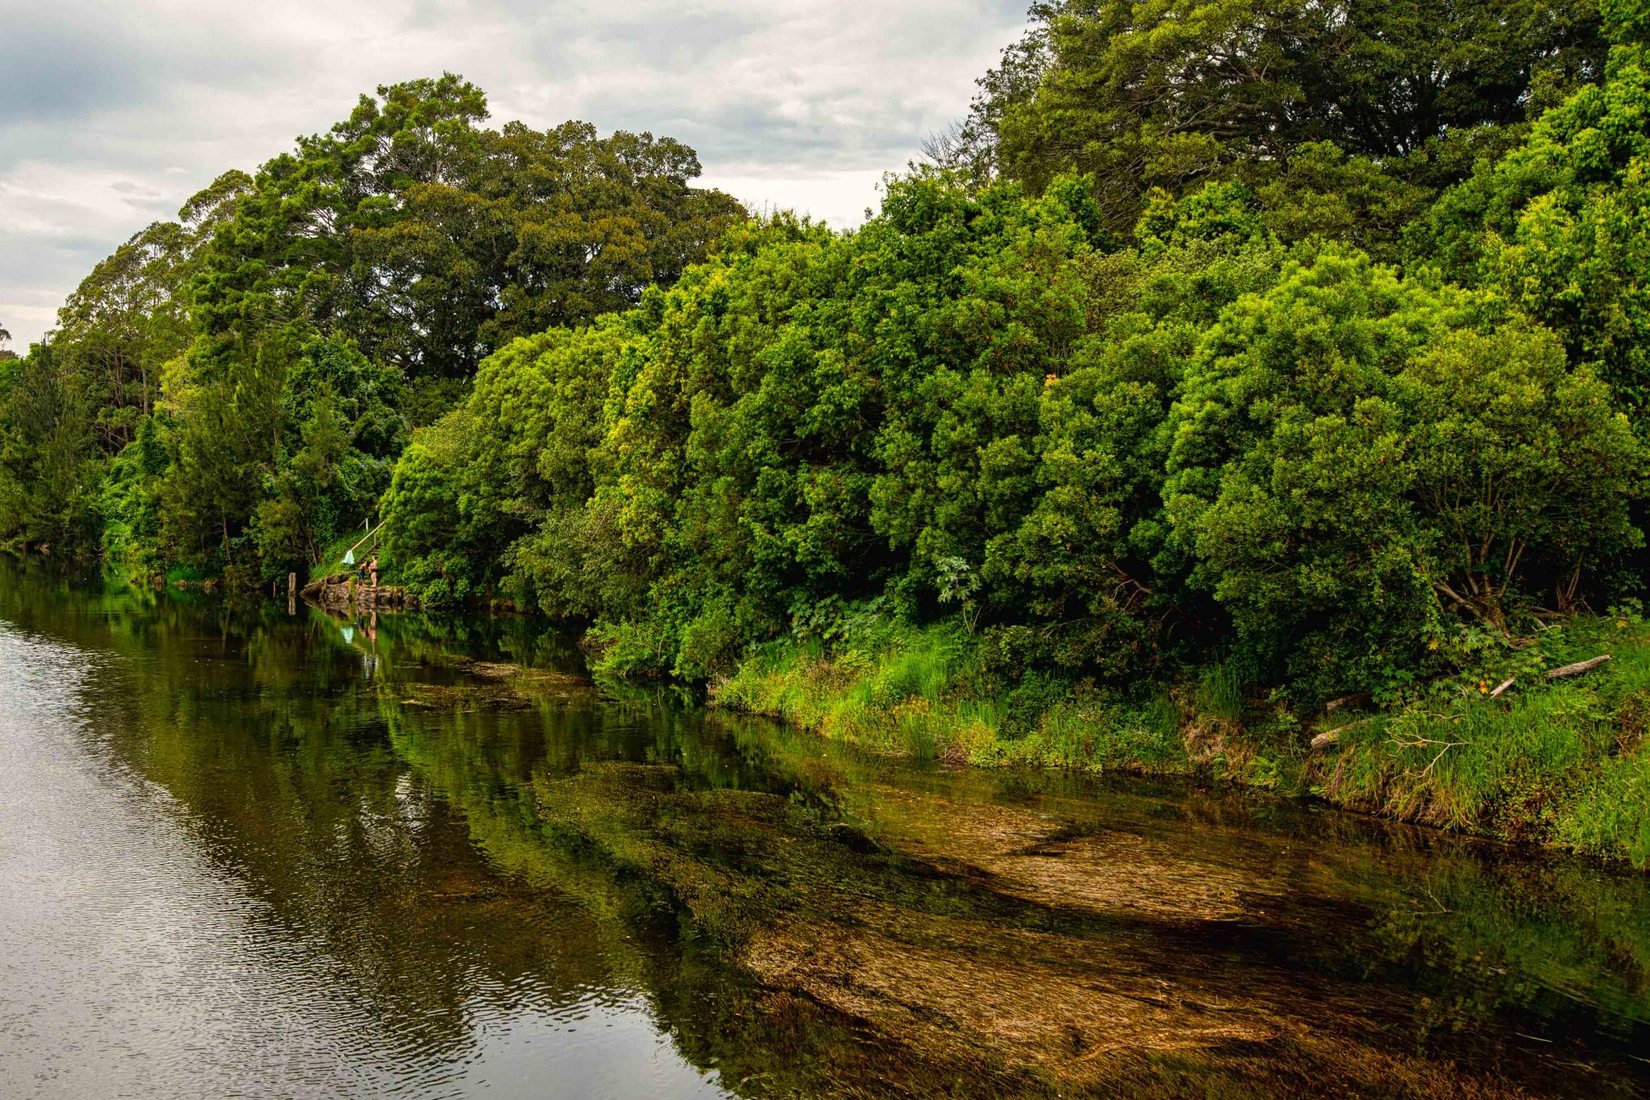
(251, 853)
(162, 941)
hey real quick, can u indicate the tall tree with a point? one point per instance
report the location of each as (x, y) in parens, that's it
(420, 240)
(46, 488)
(1144, 93)
(1562, 224)
(130, 316)
(430, 240)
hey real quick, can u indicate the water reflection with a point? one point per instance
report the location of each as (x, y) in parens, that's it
(247, 851)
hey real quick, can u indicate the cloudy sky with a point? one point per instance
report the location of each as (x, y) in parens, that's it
(112, 112)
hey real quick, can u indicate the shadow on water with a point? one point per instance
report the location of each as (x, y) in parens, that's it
(459, 833)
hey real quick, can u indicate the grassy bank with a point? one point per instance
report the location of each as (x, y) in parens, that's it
(1560, 763)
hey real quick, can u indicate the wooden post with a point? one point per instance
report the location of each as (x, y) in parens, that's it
(291, 585)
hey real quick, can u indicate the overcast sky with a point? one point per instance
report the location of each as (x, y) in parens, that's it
(113, 112)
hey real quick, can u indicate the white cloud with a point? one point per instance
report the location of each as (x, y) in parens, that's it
(113, 112)
(839, 199)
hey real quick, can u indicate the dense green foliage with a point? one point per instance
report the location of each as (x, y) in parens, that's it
(1114, 433)
(430, 240)
(1349, 114)
(1287, 348)
(228, 392)
(1328, 469)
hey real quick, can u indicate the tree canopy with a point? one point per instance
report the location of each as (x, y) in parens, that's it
(1171, 93)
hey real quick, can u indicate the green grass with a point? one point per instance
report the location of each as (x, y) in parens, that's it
(1610, 812)
(1220, 693)
(892, 688)
(1096, 733)
(915, 690)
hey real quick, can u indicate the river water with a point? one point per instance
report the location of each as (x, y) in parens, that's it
(247, 852)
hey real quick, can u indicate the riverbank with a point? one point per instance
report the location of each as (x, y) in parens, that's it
(1560, 763)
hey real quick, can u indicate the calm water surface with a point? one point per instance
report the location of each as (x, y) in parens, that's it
(251, 853)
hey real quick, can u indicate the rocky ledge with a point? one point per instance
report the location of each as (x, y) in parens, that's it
(347, 590)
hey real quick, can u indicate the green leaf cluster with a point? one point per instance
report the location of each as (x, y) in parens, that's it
(1358, 111)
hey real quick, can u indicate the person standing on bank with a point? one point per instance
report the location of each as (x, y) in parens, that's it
(372, 568)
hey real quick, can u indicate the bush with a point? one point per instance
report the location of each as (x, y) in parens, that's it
(1357, 456)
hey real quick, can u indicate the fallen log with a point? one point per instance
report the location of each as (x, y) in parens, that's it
(1577, 669)
(1505, 684)
(1330, 737)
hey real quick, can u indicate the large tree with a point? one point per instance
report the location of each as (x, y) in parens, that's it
(130, 316)
(1562, 223)
(430, 240)
(1144, 93)
(45, 449)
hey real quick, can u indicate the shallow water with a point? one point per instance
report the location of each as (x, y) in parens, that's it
(251, 853)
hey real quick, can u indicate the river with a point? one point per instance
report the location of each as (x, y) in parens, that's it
(252, 852)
